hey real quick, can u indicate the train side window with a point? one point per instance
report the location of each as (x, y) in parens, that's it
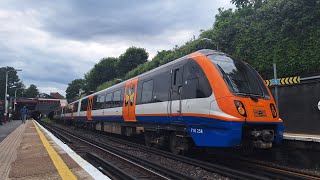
(109, 102)
(161, 87)
(98, 101)
(94, 102)
(147, 90)
(117, 98)
(75, 107)
(84, 104)
(204, 89)
(69, 107)
(196, 84)
(177, 77)
(121, 96)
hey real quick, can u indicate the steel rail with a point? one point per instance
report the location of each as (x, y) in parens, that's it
(146, 164)
(255, 167)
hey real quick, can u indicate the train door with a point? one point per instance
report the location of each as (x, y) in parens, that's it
(175, 104)
(63, 110)
(129, 104)
(71, 111)
(89, 108)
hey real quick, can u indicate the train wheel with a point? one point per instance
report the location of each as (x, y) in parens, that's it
(174, 147)
(148, 138)
(178, 145)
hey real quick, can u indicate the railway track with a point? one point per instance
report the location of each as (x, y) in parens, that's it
(241, 164)
(271, 171)
(237, 168)
(124, 166)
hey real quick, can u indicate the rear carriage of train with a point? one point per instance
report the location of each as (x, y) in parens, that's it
(204, 99)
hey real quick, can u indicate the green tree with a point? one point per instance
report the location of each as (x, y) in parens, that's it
(13, 80)
(73, 89)
(31, 92)
(103, 71)
(281, 31)
(132, 58)
(258, 31)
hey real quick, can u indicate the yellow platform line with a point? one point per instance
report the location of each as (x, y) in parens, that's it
(62, 168)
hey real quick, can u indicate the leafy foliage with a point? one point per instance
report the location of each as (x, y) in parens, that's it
(32, 91)
(132, 58)
(282, 31)
(13, 80)
(103, 71)
(260, 32)
(108, 71)
(73, 89)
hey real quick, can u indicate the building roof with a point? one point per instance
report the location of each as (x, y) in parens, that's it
(56, 95)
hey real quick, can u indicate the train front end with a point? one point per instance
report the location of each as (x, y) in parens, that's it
(239, 92)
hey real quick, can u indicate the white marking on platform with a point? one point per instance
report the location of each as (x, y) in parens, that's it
(301, 137)
(94, 172)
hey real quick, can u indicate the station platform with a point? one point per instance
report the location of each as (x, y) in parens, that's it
(32, 152)
(7, 128)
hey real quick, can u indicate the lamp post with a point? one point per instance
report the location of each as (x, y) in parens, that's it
(5, 95)
(15, 98)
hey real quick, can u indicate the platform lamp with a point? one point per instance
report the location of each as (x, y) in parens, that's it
(6, 94)
(15, 97)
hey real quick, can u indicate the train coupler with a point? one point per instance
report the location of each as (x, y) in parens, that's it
(263, 139)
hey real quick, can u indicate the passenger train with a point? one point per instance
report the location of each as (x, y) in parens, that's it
(204, 99)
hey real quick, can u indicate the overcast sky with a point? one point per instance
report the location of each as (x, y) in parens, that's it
(54, 42)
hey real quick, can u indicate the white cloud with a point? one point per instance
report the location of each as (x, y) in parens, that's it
(55, 43)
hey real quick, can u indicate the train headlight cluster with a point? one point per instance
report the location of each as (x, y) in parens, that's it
(240, 108)
(273, 110)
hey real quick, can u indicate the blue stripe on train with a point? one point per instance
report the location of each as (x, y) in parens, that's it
(204, 131)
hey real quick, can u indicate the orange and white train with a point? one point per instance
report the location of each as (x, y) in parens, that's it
(205, 99)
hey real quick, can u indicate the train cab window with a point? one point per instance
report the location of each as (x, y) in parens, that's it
(109, 102)
(147, 91)
(84, 104)
(117, 98)
(240, 78)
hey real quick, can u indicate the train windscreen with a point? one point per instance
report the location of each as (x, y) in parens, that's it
(240, 77)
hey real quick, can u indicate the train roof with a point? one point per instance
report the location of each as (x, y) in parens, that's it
(202, 51)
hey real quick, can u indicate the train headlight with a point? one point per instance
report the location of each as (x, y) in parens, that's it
(273, 110)
(240, 108)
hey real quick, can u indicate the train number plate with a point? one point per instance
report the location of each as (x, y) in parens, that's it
(259, 113)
